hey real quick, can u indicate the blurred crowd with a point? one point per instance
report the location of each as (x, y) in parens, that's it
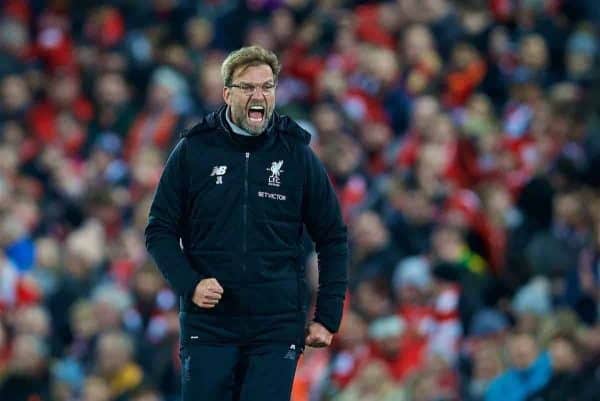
(462, 137)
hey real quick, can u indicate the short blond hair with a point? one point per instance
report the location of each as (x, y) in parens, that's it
(245, 57)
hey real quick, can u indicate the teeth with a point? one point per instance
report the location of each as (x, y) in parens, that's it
(257, 108)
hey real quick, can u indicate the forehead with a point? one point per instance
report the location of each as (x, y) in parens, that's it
(254, 73)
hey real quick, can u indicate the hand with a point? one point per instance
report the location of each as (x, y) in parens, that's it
(317, 335)
(208, 292)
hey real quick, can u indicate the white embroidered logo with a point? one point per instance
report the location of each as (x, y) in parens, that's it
(219, 171)
(291, 354)
(275, 169)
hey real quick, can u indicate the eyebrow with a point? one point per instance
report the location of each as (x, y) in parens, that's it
(262, 83)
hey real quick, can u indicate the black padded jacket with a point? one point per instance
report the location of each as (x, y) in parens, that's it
(234, 208)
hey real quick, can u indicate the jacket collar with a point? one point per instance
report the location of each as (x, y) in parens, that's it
(278, 125)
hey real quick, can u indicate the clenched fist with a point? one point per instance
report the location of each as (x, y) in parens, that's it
(317, 335)
(208, 292)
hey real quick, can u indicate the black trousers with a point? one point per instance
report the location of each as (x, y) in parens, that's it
(238, 373)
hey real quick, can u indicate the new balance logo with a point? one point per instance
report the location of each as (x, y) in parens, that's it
(219, 172)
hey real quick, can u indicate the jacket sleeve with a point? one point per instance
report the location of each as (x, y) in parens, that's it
(323, 220)
(163, 231)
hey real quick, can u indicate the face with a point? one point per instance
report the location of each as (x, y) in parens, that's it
(112, 353)
(83, 321)
(371, 298)
(417, 41)
(210, 83)
(146, 285)
(487, 363)
(522, 350)
(368, 232)
(579, 63)
(384, 66)
(375, 136)
(64, 90)
(111, 90)
(15, 93)
(27, 356)
(446, 243)
(534, 52)
(327, 121)
(426, 108)
(442, 130)
(199, 33)
(48, 253)
(564, 357)
(251, 111)
(33, 320)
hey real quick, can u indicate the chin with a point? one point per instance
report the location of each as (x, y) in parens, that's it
(255, 130)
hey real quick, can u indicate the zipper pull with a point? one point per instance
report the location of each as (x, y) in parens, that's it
(247, 155)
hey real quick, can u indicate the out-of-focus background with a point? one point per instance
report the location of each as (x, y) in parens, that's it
(462, 137)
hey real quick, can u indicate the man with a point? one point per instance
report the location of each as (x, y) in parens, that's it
(531, 370)
(225, 229)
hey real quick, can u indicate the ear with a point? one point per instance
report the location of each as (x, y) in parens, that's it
(227, 95)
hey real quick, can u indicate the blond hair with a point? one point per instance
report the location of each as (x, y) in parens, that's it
(245, 57)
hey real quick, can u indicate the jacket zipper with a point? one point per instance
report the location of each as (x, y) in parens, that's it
(245, 211)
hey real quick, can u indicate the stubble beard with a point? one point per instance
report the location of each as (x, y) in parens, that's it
(253, 129)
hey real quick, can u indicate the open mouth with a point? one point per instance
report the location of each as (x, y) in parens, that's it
(256, 113)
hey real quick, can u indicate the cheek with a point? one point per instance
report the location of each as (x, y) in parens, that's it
(238, 110)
